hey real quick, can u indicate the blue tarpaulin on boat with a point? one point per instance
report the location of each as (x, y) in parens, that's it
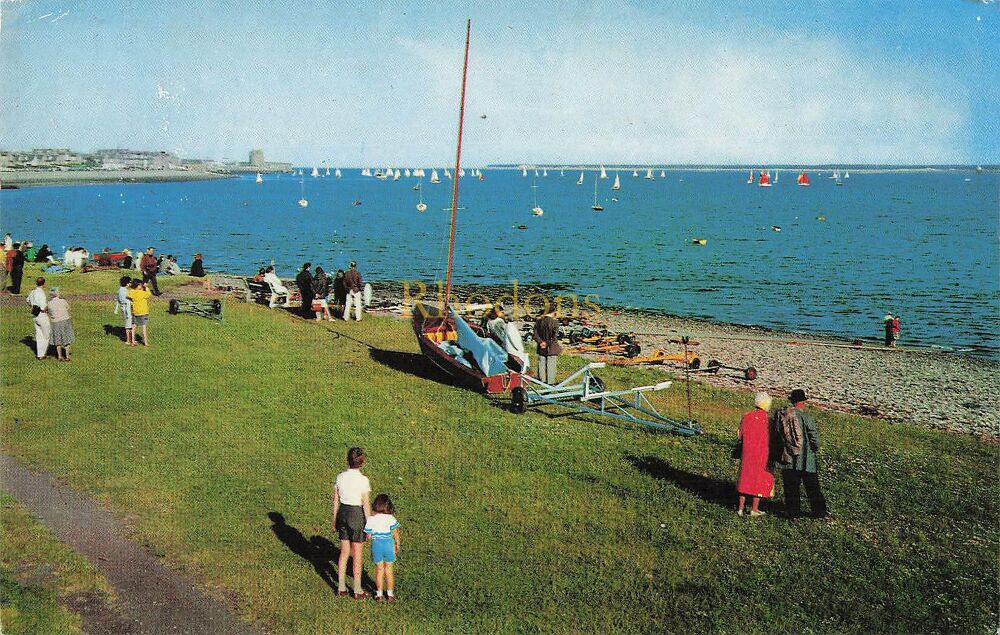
(490, 356)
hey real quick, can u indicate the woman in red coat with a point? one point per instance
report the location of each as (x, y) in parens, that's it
(755, 479)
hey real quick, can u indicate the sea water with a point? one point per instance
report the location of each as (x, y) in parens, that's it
(923, 245)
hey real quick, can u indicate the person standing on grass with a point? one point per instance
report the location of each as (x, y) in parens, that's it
(62, 329)
(17, 268)
(149, 266)
(796, 430)
(39, 304)
(139, 296)
(755, 480)
(351, 510)
(546, 335)
(383, 530)
(5, 268)
(321, 291)
(339, 291)
(123, 302)
(304, 281)
(353, 284)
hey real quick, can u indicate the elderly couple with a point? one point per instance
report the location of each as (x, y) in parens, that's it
(52, 323)
(788, 440)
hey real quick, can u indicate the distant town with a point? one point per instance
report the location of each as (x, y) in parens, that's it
(63, 160)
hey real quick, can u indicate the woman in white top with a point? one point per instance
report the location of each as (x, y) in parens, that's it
(351, 510)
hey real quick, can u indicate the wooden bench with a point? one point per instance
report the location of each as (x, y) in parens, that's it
(264, 293)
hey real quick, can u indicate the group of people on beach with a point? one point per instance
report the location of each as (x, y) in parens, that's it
(355, 520)
(787, 440)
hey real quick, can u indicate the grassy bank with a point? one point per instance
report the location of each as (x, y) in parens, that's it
(511, 523)
(41, 579)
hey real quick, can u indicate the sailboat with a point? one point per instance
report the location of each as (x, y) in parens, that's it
(775, 176)
(302, 193)
(300, 171)
(562, 173)
(597, 207)
(260, 179)
(366, 172)
(461, 172)
(524, 171)
(545, 172)
(536, 171)
(327, 171)
(649, 175)
(604, 174)
(618, 184)
(803, 180)
(635, 173)
(421, 206)
(663, 174)
(406, 173)
(536, 210)
(336, 173)
(765, 179)
(835, 176)
(580, 180)
(838, 181)
(847, 174)
(315, 172)
(750, 178)
(396, 175)
(434, 177)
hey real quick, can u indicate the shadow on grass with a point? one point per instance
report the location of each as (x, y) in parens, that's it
(30, 343)
(320, 552)
(117, 331)
(413, 364)
(712, 490)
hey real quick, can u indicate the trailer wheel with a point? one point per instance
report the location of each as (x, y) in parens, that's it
(518, 400)
(750, 373)
(714, 365)
(695, 363)
(173, 307)
(632, 350)
(595, 385)
(217, 306)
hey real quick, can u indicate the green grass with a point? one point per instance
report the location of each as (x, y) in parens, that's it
(38, 575)
(511, 523)
(76, 282)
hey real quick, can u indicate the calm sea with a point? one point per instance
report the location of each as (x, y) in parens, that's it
(923, 245)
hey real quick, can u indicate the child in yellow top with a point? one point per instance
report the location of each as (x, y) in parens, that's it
(140, 296)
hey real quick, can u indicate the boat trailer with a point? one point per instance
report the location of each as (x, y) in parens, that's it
(584, 392)
(211, 309)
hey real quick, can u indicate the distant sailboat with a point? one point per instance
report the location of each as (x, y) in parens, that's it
(421, 206)
(300, 171)
(302, 193)
(336, 173)
(618, 184)
(536, 210)
(635, 173)
(562, 173)
(396, 175)
(847, 174)
(649, 175)
(750, 178)
(765, 179)
(461, 172)
(536, 171)
(835, 176)
(524, 171)
(327, 171)
(580, 180)
(604, 174)
(775, 176)
(260, 179)
(315, 172)
(447, 174)
(434, 177)
(597, 207)
(663, 174)
(803, 180)
(366, 172)
(545, 172)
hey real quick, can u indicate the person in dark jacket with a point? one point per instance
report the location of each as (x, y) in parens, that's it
(339, 291)
(304, 280)
(197, 267)
(43, 254)
(354, 284)
(321, 290)
(802, 468)
(546, 336)
(17, 268)
(149, 267)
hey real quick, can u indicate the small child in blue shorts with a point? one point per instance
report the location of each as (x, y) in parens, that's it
(383, 529)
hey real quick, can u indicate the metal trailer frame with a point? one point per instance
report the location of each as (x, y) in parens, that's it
(583, 387)
(211, 308)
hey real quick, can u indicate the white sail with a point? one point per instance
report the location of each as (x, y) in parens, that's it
(604, 174)
(336, 173)
(524, 171)
(461, 172)
(596, 207)
(663, 174)
(447, 174)
(545, 172)
(327, 173)
(635, 173)
(315, 172)
(847, 174)
(580, 180)
(617, 185)
(434, 177)
(260, 179)
(649, 174)
(366, 172)
(536, 210)
(396, 175)
(406, 172)
(536, 171)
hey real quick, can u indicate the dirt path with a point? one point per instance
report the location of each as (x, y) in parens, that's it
(151, 596)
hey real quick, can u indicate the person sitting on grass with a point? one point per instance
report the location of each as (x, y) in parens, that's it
(122, 302)
(170, 266)
(351, 509)
(755, 480)
(139, 296)
(383, 530)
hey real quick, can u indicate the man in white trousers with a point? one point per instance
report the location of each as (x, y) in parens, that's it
(354, 285)
(39, 311)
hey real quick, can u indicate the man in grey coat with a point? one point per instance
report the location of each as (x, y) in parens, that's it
(802, 468)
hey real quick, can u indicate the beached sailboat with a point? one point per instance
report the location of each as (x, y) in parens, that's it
(580, 180)
(434, 177)
(604, 174)
(618, 184)
(765, 179)
(260, 179)
(803, 180)
(597, 207)
(536, 210)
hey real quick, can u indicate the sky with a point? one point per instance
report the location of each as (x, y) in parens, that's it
(749, 82)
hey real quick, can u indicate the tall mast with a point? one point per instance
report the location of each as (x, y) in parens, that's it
(458, 165)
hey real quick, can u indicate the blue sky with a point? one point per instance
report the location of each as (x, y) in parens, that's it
(658, 82)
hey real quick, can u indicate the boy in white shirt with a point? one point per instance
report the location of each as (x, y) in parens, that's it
(351, 510)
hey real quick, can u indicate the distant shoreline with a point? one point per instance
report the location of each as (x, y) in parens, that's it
(34, 178)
